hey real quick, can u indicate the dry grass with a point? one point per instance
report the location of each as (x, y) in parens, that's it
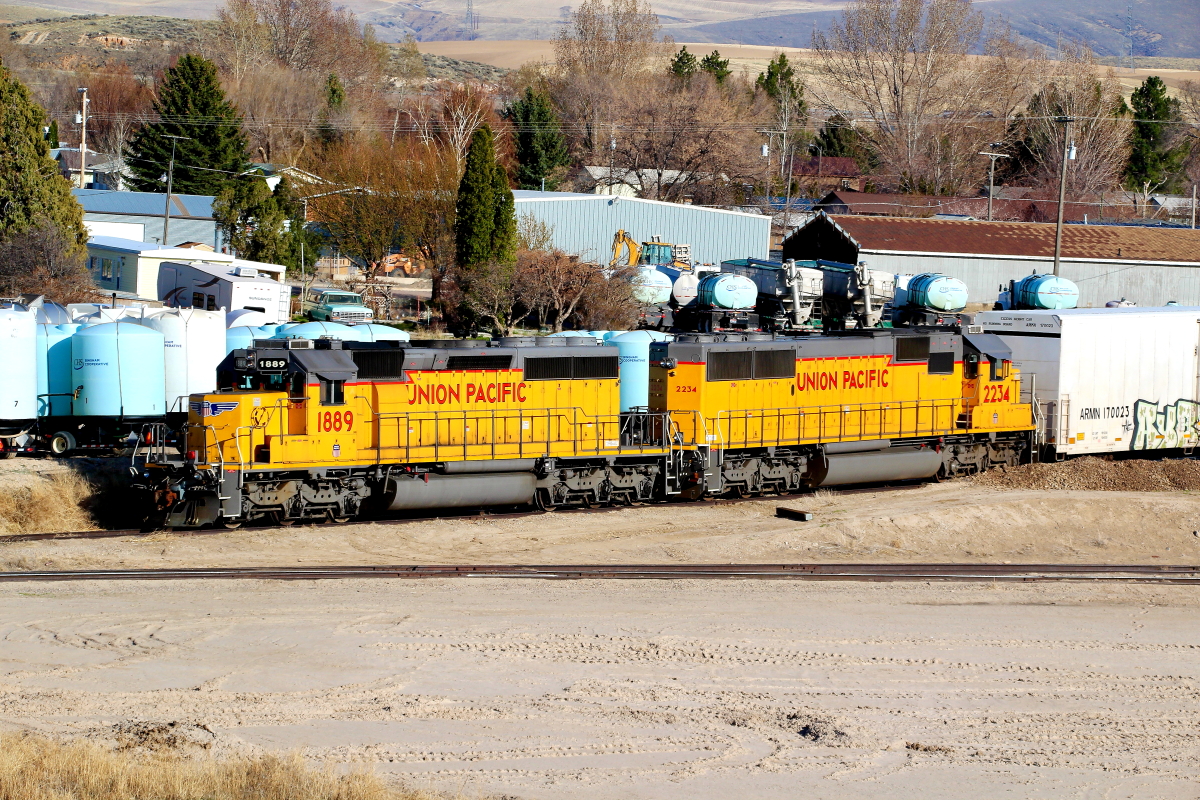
(34, 768)
(58, 502)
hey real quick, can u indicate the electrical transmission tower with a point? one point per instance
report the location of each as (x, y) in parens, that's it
(1128, 31)
(472, 20)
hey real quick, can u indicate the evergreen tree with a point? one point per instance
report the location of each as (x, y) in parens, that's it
(476, 211)
(540, 144)
(335, 92)
(32, 191)
(504, 225)
(1157, 156)
(779, 81)
(684, 64)
(265, 225)
(52, 134)
(192, 104)
(716, 66)
(838, 137)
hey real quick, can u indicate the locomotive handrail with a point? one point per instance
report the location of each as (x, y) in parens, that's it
(584, 433)
(726, 420)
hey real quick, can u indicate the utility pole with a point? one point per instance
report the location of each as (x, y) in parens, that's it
(992, 177)
(1193, 206)
(83, 115)
(170, 182)
(1062, 187)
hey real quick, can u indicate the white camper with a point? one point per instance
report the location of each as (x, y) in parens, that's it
(212, 286)
(1107, 379)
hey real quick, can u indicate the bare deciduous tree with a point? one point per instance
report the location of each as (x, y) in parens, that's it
(673, 136)
(904, 66)
(45, 260)
(601, 46)
(1094, 102)
(281, 110)
(304, 35)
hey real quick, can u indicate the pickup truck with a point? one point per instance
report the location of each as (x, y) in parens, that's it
(334, 305)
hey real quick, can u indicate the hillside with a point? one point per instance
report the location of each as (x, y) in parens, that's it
(1161, 28)
(87, 41)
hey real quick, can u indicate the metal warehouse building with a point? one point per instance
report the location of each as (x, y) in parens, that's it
(584, 225)
(139, 216)
(1148, 266)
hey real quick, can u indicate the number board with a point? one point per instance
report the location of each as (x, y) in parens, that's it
(272, 364)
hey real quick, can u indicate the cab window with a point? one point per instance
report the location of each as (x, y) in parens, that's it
(333, 393)
(1000, 368)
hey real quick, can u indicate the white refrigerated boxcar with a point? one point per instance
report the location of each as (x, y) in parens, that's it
(1108, 379)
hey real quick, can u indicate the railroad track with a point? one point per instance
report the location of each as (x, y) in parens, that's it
(408, 520)
(1013, 573)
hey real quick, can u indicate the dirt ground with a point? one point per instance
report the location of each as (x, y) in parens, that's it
(1086, 510)
(630, 690)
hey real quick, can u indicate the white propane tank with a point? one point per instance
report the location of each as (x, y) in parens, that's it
(194, 345)
(19, 386)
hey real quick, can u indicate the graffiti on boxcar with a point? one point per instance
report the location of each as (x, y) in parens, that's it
(1158, 427)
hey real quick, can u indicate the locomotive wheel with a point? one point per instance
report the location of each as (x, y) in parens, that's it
(541, 500)
(227, 524)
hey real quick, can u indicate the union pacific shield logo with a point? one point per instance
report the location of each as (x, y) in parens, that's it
(207, 409)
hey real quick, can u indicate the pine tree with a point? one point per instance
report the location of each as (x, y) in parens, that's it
(32, 191)
(716, 66)
(1158, 153)
(52, 134)
(779, 80)
(684, 64)
(265, 225)
(838, 137)
(504, 225)
(475, 210)
(541, 147)
(190, 104)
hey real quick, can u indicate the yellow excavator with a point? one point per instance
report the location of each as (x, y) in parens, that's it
(653, 253)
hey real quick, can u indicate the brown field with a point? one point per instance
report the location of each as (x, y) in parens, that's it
(753, 58)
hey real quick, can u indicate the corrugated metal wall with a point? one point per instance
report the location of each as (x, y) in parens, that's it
(181, 230)
(584, 225)
(1099, 281)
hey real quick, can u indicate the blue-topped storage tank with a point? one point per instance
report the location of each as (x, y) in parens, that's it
(319, 330)
(382, 333)
(1045, 292)
(240, 338)
(19, 383)
(651, 286)
(725, 290)
(933, 291)
(121, 369)
(54, 369)
(633, 351)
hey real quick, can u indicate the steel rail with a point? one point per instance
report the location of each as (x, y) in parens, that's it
(1018, 573)
(408, 520)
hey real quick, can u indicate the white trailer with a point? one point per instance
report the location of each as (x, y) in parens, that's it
(1107, 379)
(211, 286)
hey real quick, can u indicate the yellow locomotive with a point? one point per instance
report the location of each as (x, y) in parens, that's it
(326, 429)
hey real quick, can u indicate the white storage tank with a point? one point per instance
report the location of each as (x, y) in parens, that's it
(54, 369)
(121, 369)
(19, 384)
(194, 345)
